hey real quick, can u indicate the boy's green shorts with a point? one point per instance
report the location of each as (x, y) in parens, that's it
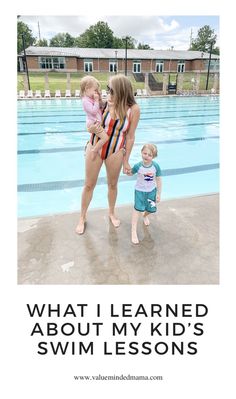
(145, 201)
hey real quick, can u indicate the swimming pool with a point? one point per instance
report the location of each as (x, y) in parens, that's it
(52, 136)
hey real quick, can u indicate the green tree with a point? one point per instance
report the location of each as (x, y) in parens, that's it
(97, 36)
(118, 43)
(23, 29)
(69, 40)
(216, 50)
(142, 46)
(121, 42)
(57, 40)
(42, 43)
(130, 42)
(62, 40)
(101, 36)
(205, 37)
(81, 41)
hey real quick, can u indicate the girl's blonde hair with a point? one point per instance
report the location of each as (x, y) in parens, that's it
(152, 148)
(87, 82)
(123, 95)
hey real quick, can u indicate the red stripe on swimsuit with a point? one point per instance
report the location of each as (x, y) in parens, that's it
(116, 130)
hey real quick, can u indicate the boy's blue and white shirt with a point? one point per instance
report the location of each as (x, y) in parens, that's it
(146, 176)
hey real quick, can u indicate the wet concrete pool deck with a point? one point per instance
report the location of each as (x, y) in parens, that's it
(181, 246)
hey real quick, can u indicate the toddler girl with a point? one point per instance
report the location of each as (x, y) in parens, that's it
(92, 105)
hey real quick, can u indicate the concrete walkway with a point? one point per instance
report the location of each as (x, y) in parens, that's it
(179, 247)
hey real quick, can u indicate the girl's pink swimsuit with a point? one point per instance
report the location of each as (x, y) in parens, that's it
(92, 110)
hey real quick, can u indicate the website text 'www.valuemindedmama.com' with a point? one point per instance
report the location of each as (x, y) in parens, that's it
(120, 377)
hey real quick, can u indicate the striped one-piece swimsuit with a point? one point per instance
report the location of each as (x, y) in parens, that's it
(116, 130)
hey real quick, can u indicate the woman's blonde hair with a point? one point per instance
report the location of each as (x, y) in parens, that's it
(152, 148)
(123, 95)
(87, 82)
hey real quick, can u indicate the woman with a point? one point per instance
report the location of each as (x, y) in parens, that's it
(120, 119)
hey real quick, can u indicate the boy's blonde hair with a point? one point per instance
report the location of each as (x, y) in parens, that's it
(87, 82)
(152, 148)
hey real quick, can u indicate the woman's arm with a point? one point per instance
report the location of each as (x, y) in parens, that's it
(130, 137)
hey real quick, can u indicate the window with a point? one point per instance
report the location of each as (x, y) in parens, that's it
(62, 62)
(88, 66)
(112, 66)
(181, 66)
(52, 62)
(214, 66)
(159, 66)
(136, 66)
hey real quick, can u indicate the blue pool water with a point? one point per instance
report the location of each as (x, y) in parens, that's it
(52, 136)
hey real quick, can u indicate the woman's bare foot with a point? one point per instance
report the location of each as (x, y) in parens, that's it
(134, 237)
(114, 221)
(80, 228)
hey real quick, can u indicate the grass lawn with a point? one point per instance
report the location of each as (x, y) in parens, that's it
(187, 83)
(58, 80)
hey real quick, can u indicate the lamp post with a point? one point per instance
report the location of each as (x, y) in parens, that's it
(126, 40)
(116, 67)
(209, 64)
(25, 61)
(202, 54)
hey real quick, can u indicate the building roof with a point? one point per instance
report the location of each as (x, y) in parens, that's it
(117, 53)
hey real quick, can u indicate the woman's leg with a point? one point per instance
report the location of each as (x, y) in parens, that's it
(134, 237)
(92, 168)
(113, 166)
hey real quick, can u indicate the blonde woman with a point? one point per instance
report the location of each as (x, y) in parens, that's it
(120, 120)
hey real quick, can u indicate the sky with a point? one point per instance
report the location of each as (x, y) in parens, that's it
(160, 32)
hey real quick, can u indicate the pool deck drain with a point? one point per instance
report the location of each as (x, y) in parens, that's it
(181, 246)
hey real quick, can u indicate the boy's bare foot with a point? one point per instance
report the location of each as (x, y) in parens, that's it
(134, 237)
(114, 221)
(80, 228)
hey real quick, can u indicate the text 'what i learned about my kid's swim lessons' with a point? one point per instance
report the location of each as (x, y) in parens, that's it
(124, 329)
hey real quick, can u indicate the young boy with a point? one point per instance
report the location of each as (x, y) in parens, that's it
(92, 104)
(147, 188)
